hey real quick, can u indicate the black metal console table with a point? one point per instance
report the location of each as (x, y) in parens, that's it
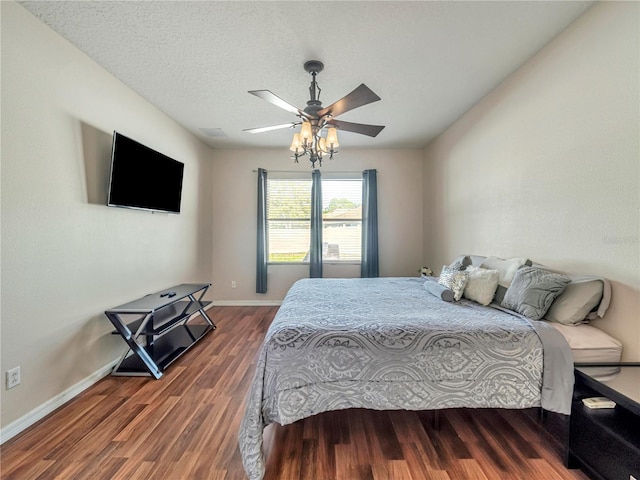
(156, 328)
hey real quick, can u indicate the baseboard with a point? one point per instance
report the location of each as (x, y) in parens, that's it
(52, 404)
(247, 303)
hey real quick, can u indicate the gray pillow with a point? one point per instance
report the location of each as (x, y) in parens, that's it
(461, 263)
(533, 290)
(440, 291)
(575, 303)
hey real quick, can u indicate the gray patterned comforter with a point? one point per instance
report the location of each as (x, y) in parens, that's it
(385, 344)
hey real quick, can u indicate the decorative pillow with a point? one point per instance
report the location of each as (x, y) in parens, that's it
(533, 290)
(506, 270)
(575, 302)
(454, 280)
(461, 263)
(439, 291)
(481, 285)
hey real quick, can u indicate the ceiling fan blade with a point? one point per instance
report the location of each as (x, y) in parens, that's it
(361, 128)
(272, 127)
(277, 101)
(359, 97)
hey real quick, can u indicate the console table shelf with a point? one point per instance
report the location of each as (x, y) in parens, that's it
(157, 330)
(167, 318)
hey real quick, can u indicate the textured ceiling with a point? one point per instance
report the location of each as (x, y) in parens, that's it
(430, 62)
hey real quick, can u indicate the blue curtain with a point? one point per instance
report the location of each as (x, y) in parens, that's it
(315, 255)
(261, 251)
(369, 262)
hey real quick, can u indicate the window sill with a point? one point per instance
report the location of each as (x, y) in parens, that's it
(307, 263)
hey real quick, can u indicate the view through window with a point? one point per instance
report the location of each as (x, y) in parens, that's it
(289, 220)
(341, 220)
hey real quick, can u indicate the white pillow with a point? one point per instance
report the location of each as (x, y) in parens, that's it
(506, 271)
(481, 285)
(506, 268)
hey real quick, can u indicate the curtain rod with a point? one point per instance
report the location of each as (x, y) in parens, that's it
(298, 171)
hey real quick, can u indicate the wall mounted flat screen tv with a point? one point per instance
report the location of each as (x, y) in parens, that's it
(143, 178)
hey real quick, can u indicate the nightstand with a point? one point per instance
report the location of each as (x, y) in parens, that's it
(605, 443)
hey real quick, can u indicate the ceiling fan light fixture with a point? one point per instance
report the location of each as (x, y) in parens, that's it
(306, 133)
(332, 137)
(322, 145)
(314, 118)
(296, 145)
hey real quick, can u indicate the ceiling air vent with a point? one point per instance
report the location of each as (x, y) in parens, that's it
(213, 132)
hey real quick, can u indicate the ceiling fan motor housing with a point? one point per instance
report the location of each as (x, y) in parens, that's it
(313, 66)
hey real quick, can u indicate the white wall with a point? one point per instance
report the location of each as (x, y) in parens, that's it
(65, 256)
(234, 188)
(548, 165)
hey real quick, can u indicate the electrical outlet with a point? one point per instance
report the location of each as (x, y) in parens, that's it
(233, 284)
(13, 377)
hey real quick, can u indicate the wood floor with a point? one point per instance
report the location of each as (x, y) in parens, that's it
(184, 426)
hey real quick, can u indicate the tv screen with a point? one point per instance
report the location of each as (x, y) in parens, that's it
(143, 178)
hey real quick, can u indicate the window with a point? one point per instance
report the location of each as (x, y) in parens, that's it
(341, 220)
(289, 220)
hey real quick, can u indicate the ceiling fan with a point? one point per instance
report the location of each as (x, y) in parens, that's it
(313, 118)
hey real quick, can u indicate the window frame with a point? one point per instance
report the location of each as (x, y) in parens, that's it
(291, 178)
(298, 177)
(342, 178)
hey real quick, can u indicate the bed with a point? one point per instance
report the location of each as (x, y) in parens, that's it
(386, 344)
